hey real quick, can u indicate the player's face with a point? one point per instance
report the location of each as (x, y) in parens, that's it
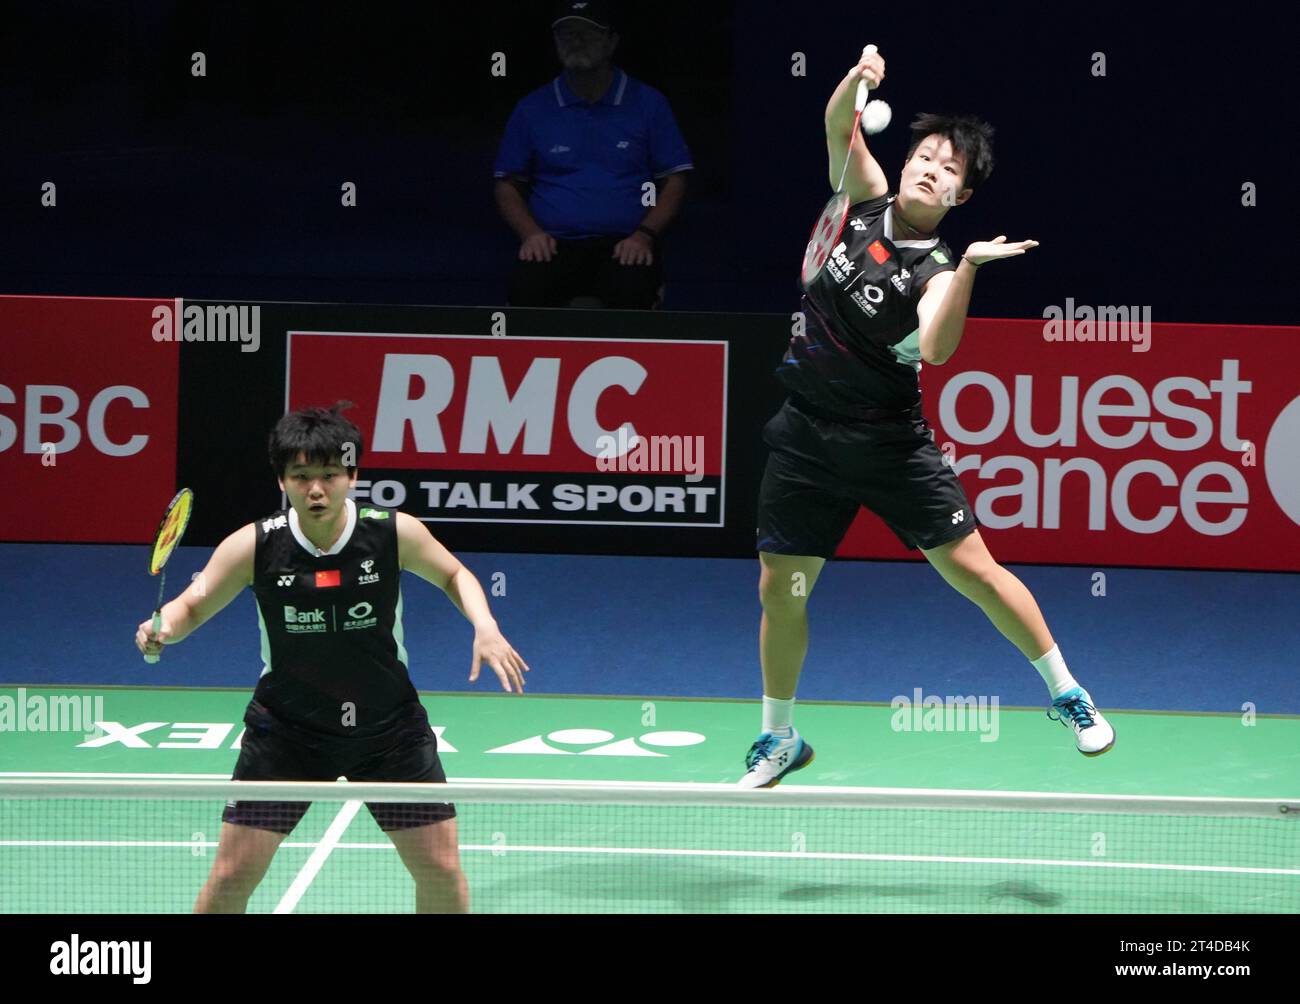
(583, 46)
(933, 176)
(318, 492)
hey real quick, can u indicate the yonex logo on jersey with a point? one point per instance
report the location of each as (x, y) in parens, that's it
(329, 579)
(369, 513)
(878, 252)
(939, 256)
(958, 516)
(857, 224)
(284, 580)
(276, 523)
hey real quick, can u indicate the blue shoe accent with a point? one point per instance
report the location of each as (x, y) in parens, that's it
(765, 746)
(1075, 710)
(1075, 707)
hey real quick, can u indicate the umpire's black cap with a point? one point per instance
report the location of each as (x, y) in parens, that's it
(595, 12)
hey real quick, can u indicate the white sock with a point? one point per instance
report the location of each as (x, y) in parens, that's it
(1051, 667)
(778, 715)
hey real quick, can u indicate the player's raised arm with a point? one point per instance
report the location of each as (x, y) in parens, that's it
(865, 178)
(420, 552)
(228, 571)
(942, 308)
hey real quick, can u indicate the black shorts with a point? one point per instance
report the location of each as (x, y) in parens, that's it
(821, 470)
(275, 750)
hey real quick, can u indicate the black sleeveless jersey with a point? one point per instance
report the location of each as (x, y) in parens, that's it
(331, 623)
(859, 349)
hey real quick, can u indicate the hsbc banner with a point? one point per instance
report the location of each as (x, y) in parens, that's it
(1181, 451)
(88, 400)
(468, 428)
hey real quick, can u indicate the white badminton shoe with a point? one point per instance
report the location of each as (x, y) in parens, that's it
(772, 757)
(1092, 733)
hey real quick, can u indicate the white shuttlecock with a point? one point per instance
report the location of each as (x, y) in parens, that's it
(875, 117)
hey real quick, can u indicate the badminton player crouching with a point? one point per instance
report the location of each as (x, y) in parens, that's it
(334, 698)
(852, 433)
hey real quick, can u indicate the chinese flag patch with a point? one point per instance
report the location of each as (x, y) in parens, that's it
(878, 252)
(326, 579)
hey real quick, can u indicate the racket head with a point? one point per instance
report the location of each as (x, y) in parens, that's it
(825, 236)
(171, 529)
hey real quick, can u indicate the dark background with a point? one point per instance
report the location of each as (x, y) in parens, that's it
(228, 186)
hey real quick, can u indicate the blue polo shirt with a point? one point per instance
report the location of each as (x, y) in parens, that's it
(586, 163)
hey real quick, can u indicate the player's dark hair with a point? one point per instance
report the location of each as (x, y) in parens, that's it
(971, 138)
(322, 434)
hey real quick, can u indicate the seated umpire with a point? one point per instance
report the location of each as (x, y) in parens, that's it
(572, 169)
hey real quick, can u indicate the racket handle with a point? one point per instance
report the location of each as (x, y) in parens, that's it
(157, 626)
(863, 86)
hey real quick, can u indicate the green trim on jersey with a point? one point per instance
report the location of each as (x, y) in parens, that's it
(399, 635)
(266, 642)
(908, 351)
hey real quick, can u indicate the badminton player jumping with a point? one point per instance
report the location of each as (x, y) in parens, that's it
(334, 698)
(889, 297)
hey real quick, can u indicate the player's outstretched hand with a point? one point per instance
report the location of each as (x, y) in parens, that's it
(149, 643)
(490, 646)
(982, 251)
(871, 67)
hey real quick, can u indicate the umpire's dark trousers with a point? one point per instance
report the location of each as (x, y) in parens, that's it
(587, 267)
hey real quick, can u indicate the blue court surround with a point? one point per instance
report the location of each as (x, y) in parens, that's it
(687, 627)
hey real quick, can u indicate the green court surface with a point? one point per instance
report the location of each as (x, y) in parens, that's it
(59, 856)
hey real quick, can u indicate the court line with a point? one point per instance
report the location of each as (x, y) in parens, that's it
(314, 863)
(331, 842)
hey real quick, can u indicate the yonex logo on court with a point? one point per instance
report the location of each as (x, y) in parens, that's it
(600, 742)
